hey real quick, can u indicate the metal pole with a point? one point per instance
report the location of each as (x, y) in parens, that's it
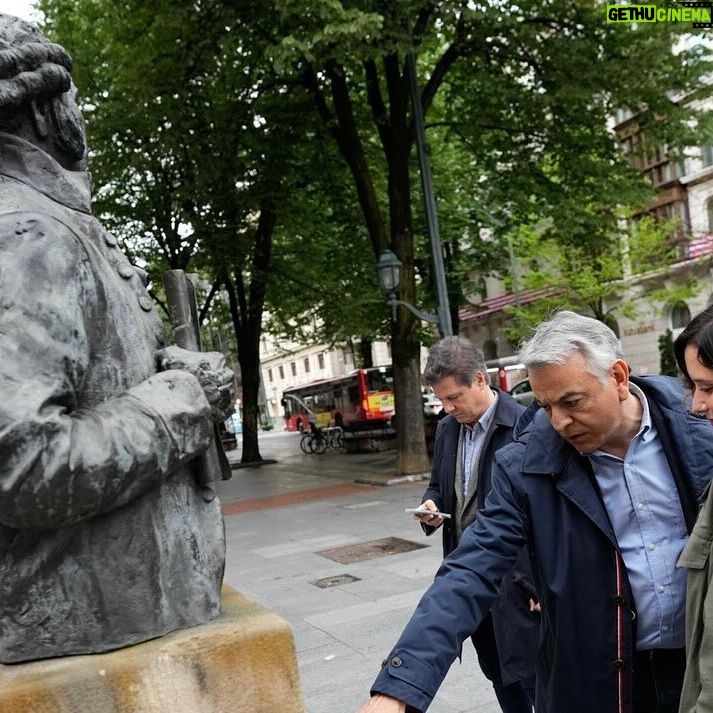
(439, 272)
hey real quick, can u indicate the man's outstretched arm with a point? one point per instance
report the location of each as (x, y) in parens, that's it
(462, 593)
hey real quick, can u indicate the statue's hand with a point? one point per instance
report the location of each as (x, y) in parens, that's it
(210, 370)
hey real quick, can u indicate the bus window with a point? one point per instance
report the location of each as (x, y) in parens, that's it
(379, 380)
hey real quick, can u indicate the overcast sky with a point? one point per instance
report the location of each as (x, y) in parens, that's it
(21, 8)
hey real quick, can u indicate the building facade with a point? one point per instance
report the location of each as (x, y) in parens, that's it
(685, 192)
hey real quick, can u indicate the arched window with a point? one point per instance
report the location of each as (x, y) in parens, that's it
(490, 349)
(680, 315)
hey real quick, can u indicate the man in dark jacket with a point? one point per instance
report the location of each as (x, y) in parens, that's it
(603, 485)
(479, 421)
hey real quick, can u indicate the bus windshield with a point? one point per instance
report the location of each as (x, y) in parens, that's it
(379, 379)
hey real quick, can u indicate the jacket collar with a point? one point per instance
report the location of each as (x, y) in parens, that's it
(548, 454)
(28, 164)
(507, 412)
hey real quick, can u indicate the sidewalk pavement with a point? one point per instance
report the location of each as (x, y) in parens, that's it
(345, 617)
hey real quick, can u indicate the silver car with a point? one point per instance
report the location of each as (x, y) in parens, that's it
(522, 392)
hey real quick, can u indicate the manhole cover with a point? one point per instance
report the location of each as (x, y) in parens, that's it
(370, 550)
(335, 581)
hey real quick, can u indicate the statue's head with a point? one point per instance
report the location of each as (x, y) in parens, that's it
(37, 96)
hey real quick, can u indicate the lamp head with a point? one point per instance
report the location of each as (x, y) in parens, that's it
(389, 267)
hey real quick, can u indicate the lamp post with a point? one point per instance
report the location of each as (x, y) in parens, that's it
(389, 268)
(439, 272)
(389, 265)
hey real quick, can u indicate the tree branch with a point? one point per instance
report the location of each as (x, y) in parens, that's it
(206, 305)
(376, 102)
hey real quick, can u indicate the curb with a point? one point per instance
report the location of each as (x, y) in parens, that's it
(234, 465)
(391, 479)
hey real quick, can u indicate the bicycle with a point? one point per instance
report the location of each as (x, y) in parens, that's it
(335, 437)
(305, 442)
(313, 441)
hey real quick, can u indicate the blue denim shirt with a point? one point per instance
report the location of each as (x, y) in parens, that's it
(642, 502)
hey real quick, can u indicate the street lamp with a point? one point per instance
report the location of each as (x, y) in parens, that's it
(389, 268)
(389, 265)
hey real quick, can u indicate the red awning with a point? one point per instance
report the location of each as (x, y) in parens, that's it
(476, 312)
(702, 245)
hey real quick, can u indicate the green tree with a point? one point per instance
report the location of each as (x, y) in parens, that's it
(590, 277)
(517, 122)
(528, 89)
(668, 365)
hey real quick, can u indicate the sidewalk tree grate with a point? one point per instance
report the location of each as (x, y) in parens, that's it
(370, 550)
(335, 581)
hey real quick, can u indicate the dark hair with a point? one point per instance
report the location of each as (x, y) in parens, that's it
(454, 356)
(699, 331)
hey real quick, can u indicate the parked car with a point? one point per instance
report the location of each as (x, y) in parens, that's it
(522, 392)
(431, 405)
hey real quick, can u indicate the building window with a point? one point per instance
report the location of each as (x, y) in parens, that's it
(320, 360)
(306, 365)
(707, 155)
(282, 372)
(269, 375)
(293, 367)
(680, 315)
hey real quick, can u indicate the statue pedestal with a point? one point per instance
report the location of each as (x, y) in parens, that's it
(243, 661)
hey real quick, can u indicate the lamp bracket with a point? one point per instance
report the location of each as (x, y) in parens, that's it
(425, 316)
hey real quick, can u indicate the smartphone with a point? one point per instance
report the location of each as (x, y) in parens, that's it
(420, 511)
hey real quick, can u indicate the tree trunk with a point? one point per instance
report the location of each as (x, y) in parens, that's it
(412, 455)
(246, 305)
(397, 140)
(249, 360)
(250, 369)
(366, 358)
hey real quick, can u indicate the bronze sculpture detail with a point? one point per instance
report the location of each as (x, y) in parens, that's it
(105, 538)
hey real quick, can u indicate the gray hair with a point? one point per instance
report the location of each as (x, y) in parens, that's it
(31, 67)
(568, 333)
(454, 356)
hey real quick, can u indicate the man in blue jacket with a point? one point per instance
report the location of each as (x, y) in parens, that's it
(603, 485)
(479, 421)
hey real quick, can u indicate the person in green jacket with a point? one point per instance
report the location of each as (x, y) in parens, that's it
(693, 349)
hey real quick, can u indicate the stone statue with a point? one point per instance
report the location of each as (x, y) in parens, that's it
(105, 539)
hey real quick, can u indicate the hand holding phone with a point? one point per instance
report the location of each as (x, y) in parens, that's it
(432, 513)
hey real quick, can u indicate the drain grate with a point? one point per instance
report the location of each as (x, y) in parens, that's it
(370, 550)
(327, 582)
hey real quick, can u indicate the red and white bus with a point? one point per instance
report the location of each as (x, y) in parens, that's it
(361, 399)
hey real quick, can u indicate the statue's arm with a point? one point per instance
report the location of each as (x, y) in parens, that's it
(59, 461)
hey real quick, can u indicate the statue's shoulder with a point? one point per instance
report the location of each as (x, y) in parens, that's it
(31, 224)
(33, 237)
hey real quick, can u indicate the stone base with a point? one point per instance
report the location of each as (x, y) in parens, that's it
(242, 662)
